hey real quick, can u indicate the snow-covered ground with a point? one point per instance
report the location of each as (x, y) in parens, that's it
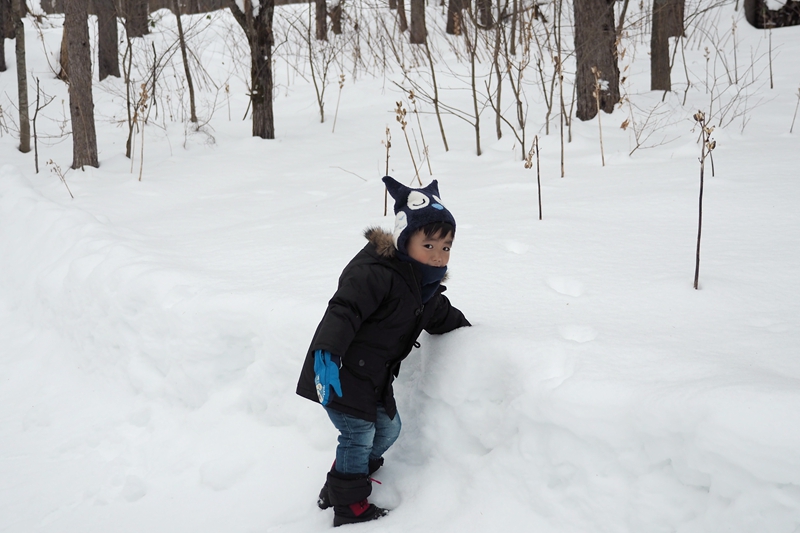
(151, 332)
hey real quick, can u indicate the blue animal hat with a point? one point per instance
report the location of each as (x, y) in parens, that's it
(415, 208)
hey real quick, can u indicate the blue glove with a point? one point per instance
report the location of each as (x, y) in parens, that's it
(326, 368)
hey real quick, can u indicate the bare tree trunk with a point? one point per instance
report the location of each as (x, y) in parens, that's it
(261, 71)
(454, 8)
(258, 30)
(595, 46)
(107, 39)
(402, 21)
(19, 11)
(512, 40)
(392, 4)
(63, 60)
(622, 14)
(81, 104)
(675, 17)
(4, 17)
(336, 13)
(136, 13)
(321, 19)
(499, 73)
(187, 70)
(667, 22)
(660, 79)
(485, 13)
(418, 32)
(472, 50)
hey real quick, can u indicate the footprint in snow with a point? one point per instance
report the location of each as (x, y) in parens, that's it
(134, 489)
(567, 286)
(516, 247)
(574, 332)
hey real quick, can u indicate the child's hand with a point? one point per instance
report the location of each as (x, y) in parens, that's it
(326, 368)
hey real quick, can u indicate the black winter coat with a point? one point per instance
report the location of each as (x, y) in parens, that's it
(372, 323)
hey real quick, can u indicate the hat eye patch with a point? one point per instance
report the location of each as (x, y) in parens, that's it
(417, 200)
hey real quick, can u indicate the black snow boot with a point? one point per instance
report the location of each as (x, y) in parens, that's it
(348, 494)
(324, 500)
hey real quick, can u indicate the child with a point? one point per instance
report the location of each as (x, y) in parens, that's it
(388, 293)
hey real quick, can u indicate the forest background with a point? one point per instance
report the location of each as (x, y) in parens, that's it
(179, 194)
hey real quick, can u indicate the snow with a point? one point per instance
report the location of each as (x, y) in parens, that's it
(151, 332)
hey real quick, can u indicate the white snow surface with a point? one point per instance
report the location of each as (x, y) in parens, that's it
(152, 332)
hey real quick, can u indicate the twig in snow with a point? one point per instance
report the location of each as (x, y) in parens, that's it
(56, 169)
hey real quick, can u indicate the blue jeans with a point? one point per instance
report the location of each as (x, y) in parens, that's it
(360, 440)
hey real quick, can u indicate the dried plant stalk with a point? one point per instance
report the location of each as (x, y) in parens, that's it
(529, 164)
(400, 112)
(597, 88)
(707, 146)
(388, 144)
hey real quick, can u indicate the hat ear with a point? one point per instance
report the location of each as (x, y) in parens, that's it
(432, 189)
(398, 191)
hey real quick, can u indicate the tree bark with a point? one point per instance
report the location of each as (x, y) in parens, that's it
(336, 13)
(187, 70)
(258, 30)
(512, 40)
(136, 13)
(667, 22)
(321, 19)
(484, 13)
(81, 104)
(660, 79)
(4, 18)
(418, 32)
(595, 46)
(107, 39)
(63, 60)
(402, 21)
(675, 13)
(453, 26)
(18, 13)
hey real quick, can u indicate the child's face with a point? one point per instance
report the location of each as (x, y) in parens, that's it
(432, 251)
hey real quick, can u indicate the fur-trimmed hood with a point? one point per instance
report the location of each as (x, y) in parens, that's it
(382, 240)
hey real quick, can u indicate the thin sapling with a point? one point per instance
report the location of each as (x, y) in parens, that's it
(338, 99)
(400, 113)
(529, 164)
(707, 146)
